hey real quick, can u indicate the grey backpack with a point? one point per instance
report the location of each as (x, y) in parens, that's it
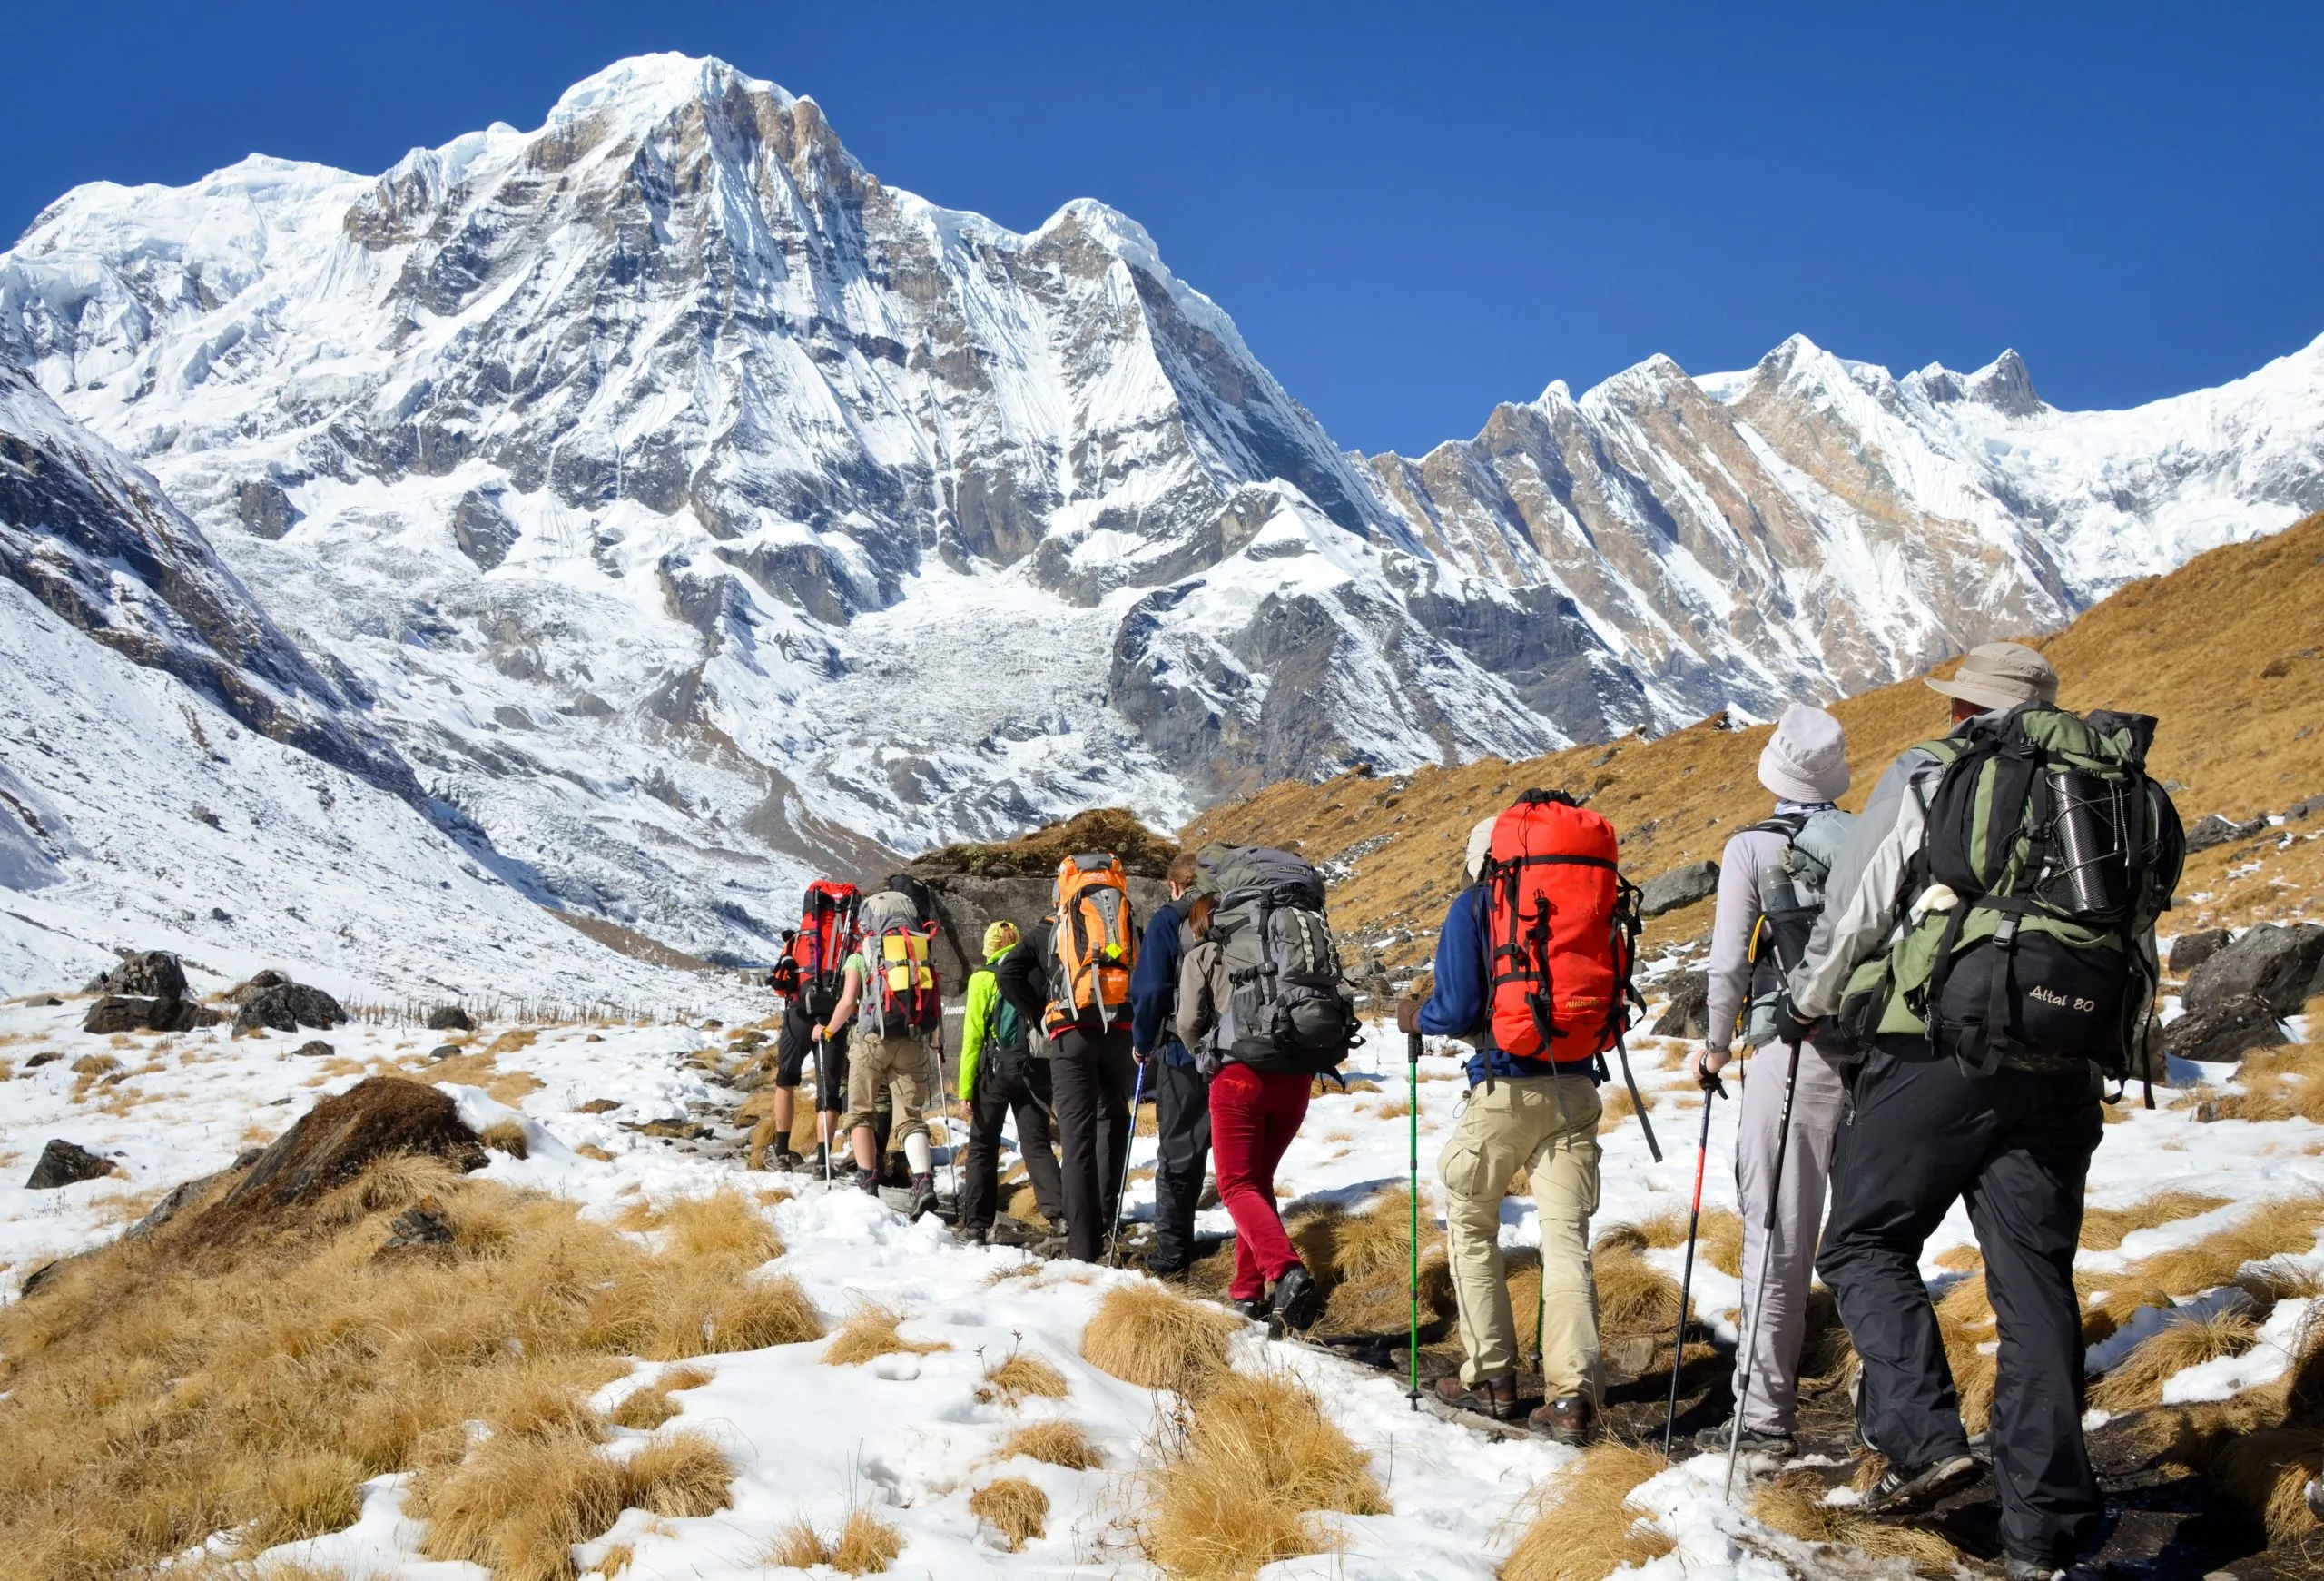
(1791, 898)
(1286, 1008)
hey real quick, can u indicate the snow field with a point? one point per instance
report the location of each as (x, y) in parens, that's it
(906, 1436)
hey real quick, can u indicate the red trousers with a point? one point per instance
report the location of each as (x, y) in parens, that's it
(1254, 1116)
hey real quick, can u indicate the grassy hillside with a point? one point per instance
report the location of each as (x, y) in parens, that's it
(2227, 652)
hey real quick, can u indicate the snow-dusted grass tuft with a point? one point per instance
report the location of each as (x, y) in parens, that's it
(1143, 1334)
(871, 1331)
(865, 1545)
(1017, 1511)
(2137, 1381)
(1054, 1442)
(1583, 1528)
(1242, 1472)
(1794, 1503)
(1020, 1375)
(2102, 1229)
(505, 1136)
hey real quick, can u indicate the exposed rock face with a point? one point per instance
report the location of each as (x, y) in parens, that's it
(152, 975)
(2274, 964)
(1687, 1014)
(1681, 886)
(287, 1007)
(2189, 951)
(65, 1163)
(2227, 1028)
(116, 1013)
(2215, 829)
(334, 1141)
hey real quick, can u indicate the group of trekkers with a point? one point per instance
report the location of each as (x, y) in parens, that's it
(1930, 996)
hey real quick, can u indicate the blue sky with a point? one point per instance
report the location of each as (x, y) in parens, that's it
(1414, 212)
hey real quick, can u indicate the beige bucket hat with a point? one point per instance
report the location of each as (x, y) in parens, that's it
(2001, 675)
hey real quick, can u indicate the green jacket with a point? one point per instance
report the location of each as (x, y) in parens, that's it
(977, 1026)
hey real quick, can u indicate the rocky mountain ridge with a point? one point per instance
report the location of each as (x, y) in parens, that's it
(692, 510)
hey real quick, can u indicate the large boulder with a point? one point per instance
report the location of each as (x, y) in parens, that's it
(2189, 951)
(2226, 1031)
(64, 1163)
(1687, 1015)
(116, 1013)
(449, 1018)
(287, 1007)
(148, 974)
(336, 1141)
(2276, 964)
(1681, 886)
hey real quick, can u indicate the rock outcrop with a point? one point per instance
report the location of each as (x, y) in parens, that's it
(341, 1137)
(287, 1007)
(1679, 888)
(65, 1163)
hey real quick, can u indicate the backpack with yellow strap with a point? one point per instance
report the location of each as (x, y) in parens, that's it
(1094, 945)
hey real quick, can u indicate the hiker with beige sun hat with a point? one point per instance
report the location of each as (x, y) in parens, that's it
(1770, 879)
(1987, 940)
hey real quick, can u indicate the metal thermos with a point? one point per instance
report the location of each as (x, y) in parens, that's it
(2092, 871)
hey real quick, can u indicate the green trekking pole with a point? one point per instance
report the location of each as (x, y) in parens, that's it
(1412, 1110)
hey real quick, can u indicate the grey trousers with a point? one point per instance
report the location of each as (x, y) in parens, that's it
(1774, 1349)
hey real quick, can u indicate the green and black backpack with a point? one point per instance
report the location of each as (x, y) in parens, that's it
(2022, 921)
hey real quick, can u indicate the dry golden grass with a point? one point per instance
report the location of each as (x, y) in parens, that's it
(480, 1068)
(866, 1545)
(261, 1383)
(2103, 1229)
(1583, 1528)
(645, 1409)
(723, 1227)
(678, 1379)
(1794, 1503)
(1633, 1296)
(1143, 1334)
(680, 1475)
(2284, 1083)
(1053, 1441)
(1965, 1321)
(1964, 1259)
(2137, 1381)
(505, 1136)
(2212, 649)
(1017, 1511)
(1239, 1475)
(871, 1331)
(1018, 1376)
(2274, 1228)
(1363, 1262)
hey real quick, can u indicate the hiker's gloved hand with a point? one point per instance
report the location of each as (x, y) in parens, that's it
(1408, 1015)
(1789, 1027)
(1706, 1065)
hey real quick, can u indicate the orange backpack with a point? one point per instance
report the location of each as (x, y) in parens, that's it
(1094, 944)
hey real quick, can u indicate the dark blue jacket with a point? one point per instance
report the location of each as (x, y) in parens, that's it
(1461, 1005)
(1153, 988)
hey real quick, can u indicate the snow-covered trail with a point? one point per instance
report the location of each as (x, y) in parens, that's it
(907, 1433)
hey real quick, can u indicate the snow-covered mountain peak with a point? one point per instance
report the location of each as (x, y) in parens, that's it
(2003, 384)
(646, 87)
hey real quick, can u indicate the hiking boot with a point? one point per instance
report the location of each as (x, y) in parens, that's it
(785, 1160)
(1570, 1420)
(1297, 1301)
(1255, 1309)
(1713, 1441)
(923, 1194)
(1494, 1397)
(973, 1234)
(868, 1181)
(1907, 1489)
(2016, 1570)
(1058, 1226)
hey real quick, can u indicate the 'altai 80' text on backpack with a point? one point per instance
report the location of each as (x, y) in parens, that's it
(1562, 925)
(818, 950)
(899, 989)
(2049, 856)
(1288, 1007)
(1094, 945)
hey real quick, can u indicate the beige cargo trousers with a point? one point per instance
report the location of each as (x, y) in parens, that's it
(1514, 1122)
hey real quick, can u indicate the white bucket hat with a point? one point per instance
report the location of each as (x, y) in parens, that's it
(1480, 846)
(1806, 758)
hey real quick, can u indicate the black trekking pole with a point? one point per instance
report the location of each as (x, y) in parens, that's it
(1750, 1335)
(1712, 1088)
(1412, 1352)
(1129, 1143)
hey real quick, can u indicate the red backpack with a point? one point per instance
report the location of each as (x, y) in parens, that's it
(827, 935)
(1562, 925)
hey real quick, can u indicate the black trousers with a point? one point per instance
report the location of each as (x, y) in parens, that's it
(794, 1052)
(1920, 1134)
(1005, 1084)
(1182, 1113)
(1092, 1077)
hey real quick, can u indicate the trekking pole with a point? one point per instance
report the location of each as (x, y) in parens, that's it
(1412, 1352)
(1136, 1094)
(823, 1107)
(1712, 1088)
(1767, 1252)
(951, 1137)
